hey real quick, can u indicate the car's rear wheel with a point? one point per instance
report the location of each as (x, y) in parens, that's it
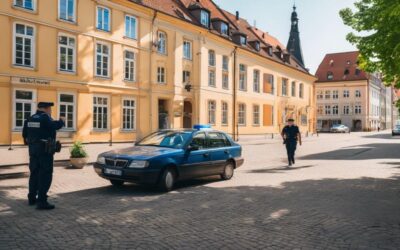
(167, 180)
(117, 183)
(228, 171)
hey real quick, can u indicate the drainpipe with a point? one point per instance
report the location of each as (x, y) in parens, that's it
(235, 126)
(368, 109)
(111, 128)
(11, 105)
(150, 69)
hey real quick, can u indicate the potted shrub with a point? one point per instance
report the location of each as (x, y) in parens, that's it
(78, 155)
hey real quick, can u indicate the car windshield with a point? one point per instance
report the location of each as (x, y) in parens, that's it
(167, 139)
(337, 125)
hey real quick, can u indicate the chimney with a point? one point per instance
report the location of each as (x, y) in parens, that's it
(263, 35)
(237, 15)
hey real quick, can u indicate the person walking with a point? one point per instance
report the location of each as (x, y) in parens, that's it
(291, 135)
(39, 133)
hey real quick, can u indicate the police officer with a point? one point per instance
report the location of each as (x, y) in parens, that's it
(291, 134)
(39, 133)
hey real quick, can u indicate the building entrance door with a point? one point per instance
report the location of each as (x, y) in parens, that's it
(163, 120)
(187, 114)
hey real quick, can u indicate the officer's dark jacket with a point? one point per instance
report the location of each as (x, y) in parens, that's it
(40, 126)
(291, 132)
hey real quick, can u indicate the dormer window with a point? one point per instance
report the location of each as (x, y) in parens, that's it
(205, 18)
(257, 45)
(270, 50)
(329, 75)
(243, 40)
(224, 29)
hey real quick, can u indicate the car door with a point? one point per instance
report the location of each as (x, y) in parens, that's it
(219, 152)
(195, 162)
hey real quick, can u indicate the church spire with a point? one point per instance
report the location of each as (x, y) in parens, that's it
(294, 45)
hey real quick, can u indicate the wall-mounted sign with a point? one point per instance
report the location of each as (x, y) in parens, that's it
(30, 80)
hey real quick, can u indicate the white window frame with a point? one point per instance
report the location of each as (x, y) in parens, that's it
(335, 109)
(108, 59)
(225, 62)
(33, 45)
(211, 58)
(327, 94)
(301, 90)
(346, 110)
(102, 105)
(34, 5)
(335, 94)
(293, 89)
(97, 18)
(74, 12)
(161, 36)
(123, 107)
(33, 105)
(242, 77)
(130, 61)
(224, 29)
(205, 18)
(320, 95)
(285, 86)
(225, 84)
(135, 28)
(357, 93)
(243, 113)
(346, 93)
(59, 53)
(74, 109)
(224, 113)
(256, 115)
(211, 78)
(357, 109)
(320, 110)
(328, 109)
(256, 81)
(187, 47)
(212, 111)
(162, 75)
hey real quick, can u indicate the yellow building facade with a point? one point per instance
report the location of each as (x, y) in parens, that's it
(119, 70)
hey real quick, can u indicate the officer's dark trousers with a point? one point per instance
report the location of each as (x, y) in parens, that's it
(41, 168)
(291, 149)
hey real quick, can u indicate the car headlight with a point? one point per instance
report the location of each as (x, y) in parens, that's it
(138, 164)
(101, 160)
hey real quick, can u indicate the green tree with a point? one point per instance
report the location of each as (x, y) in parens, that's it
(377, 37)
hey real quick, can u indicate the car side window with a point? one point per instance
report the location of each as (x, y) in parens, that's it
(217, 140)
(199, 140)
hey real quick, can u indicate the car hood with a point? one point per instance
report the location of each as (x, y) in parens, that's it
(140, 152)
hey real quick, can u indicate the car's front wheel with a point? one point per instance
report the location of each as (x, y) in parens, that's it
(228, 171)
(117, 183)
(167, 180)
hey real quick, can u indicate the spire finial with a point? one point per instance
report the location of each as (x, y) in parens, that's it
(294, 5)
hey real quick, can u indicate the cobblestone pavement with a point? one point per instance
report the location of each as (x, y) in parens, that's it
(344, 193)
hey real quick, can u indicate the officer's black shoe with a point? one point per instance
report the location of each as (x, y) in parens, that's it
(45, 206)
(31, 200)
(293, 161)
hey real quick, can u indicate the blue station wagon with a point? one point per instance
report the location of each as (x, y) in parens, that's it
(167, 156)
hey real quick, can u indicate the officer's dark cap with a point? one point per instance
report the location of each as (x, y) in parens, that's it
(290, 120)
(45, 104)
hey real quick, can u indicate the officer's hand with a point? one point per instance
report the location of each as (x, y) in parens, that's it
(62, 118)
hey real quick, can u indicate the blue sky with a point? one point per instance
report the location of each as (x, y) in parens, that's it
(321, 28)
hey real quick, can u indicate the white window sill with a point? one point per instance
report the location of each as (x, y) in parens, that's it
(23, 67)
(32, 11)
(67, 21)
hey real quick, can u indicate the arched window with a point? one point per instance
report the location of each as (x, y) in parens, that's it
(162, 42)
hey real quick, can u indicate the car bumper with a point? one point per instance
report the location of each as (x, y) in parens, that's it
(140, 176)
(396, 132)
(239, 162)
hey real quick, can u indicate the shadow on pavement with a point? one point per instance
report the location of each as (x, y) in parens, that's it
(282, 169)
(327, 213)
(360, 152)
(382, 136)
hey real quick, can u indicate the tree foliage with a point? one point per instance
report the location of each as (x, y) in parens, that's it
(377, 37)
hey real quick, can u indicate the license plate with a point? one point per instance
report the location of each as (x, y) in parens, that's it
(113, 171)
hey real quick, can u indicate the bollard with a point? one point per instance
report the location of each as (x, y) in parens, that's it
(272, 135)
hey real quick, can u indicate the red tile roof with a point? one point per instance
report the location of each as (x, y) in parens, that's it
(180, 9)
(343, 66)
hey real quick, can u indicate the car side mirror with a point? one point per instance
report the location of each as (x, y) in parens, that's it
(193, 147)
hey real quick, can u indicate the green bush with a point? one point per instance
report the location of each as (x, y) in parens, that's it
(77, 150)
